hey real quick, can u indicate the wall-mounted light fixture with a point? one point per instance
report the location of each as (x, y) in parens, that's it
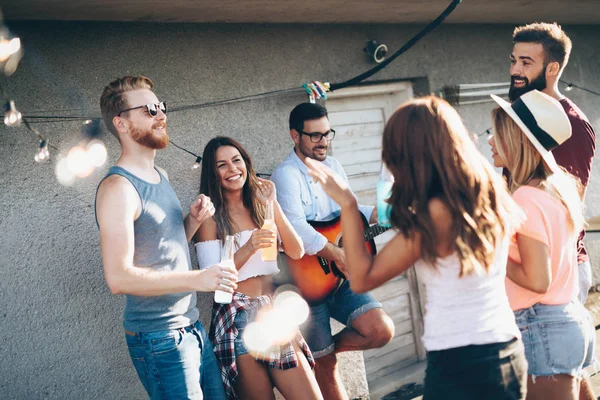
(377, 52)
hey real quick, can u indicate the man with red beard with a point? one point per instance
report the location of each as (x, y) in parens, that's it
(540, 54)
(144, 242)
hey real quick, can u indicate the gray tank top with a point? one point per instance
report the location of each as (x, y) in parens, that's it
(161, 245)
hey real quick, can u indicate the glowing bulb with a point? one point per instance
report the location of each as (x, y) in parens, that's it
(278, 325)
(569, 87)
(96, 151)
(14, 45)
(256, 338)
(79, 162)
(281, 325)
(9, 47)
(292, 304)
(12, 117)
(4, 49)
(43, 154)
(63, 173)
(197, 164)
(10, 52)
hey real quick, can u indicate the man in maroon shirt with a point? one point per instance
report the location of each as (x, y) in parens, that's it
(540, 53)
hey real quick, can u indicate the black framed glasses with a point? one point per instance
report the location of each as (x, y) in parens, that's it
(317, 137)
(152, 108)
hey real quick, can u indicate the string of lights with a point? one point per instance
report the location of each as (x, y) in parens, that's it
(91, 153)
(82, 159)
(570, 86)
(198, 158)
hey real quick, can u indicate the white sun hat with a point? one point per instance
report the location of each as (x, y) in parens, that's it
(542, 119)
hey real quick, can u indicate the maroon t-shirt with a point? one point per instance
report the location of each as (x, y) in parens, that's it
(576, 155)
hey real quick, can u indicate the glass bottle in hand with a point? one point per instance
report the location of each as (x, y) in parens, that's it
(270, 253)
(226, 259)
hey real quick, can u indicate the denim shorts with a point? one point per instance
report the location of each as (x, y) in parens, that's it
(344, 306)
(558, 339)
(242, 319)
(495, 371)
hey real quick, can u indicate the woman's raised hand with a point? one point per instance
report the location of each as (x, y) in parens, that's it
(333, 184)
(266, 190)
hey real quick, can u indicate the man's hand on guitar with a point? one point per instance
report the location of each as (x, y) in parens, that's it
(260, 239)
(333, 184)
(340, 262)
(335, 255)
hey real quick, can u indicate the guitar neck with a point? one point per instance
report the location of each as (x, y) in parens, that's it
(373, 231)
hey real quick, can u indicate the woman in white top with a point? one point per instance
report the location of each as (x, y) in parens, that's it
(239, 197)
(453, 216)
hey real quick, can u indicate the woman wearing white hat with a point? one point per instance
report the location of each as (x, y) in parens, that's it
(542, 270)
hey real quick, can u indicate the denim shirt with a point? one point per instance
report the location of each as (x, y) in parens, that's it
(303, 199)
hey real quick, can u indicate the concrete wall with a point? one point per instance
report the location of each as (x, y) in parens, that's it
(60, 328)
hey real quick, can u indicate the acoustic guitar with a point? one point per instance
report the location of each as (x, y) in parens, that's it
(316, 277)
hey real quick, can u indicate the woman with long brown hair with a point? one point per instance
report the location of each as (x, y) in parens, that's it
(542, 284)
(453, 217)
(240, 199)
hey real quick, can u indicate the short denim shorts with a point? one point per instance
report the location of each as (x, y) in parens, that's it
(558, 339)
(344, 306)
(242, 319)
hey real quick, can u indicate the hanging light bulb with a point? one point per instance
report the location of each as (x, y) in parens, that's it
(13, 116)
(10, 51)
(569, 87)
(97, 153)
(79, 162)
(9, 47)
(197, 164)
(43, 154)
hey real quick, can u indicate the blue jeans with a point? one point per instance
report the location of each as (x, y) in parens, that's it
(344, 306)
(176, 364)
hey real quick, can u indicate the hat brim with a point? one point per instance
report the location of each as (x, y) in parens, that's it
(546, 154)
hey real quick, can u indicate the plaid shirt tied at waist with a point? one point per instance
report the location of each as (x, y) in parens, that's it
(223, 334)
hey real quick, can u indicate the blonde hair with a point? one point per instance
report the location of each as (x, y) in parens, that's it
(525, 164)
(431, 155)
(112, 100)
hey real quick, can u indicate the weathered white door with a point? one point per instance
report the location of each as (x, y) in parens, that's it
(358, 116)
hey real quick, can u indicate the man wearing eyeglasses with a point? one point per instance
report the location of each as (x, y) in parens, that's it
(302, 199)
(144, 242)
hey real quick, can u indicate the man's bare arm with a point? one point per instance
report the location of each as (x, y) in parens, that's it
(118, 205)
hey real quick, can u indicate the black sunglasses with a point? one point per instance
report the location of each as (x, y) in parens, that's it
(152, 108)
(317, 137)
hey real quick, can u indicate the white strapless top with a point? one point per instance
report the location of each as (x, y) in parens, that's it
(209, 253)
(466, 311)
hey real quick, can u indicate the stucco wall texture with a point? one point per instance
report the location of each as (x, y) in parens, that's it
(60, 328)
